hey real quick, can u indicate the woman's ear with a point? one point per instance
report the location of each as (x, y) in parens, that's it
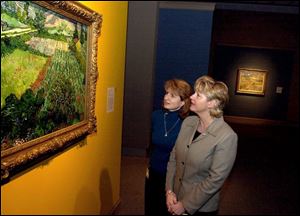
(212, 104)
(182, 104)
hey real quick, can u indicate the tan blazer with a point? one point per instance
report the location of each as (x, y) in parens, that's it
(197, 169)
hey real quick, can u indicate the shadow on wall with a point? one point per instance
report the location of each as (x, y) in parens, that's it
(105, 190)
(87, 202)
(81, 204)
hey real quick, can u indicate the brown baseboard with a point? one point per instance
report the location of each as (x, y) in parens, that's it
(258, 121)
(115, 207)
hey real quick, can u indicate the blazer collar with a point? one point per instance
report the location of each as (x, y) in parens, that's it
(212, 128)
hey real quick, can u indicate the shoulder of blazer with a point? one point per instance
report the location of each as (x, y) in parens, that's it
(191, 121)
(220, 127)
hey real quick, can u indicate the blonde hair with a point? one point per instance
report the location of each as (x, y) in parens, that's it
(184, 90)
(213, 90)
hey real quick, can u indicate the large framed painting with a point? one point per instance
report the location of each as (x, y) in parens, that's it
(251, 81)
(48, 79)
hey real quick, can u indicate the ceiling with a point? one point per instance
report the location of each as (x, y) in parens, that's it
(288, 7)
(270, 3)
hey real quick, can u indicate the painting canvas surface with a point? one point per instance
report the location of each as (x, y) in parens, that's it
(43, 72)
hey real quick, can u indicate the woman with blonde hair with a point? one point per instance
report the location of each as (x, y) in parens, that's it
(204, 153)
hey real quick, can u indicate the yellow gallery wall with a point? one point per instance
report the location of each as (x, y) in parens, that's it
(84, 179)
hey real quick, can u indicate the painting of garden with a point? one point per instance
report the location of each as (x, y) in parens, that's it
(43, 72)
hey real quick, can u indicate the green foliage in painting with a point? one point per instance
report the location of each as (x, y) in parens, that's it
(43, 70)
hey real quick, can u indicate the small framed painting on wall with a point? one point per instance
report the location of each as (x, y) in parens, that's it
(251, 81)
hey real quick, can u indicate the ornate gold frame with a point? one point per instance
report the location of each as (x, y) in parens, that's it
(24, 155)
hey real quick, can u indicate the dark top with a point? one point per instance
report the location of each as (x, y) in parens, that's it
(197, 133)
(162, 145)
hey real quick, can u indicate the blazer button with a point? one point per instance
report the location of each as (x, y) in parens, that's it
(180, 179)
(188, 146)
(182, 163)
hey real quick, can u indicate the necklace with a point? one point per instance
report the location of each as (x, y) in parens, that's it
(165, 125)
